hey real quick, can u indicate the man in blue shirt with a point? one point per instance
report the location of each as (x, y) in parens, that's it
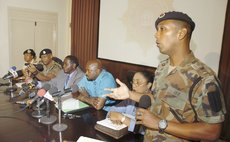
(92, 86)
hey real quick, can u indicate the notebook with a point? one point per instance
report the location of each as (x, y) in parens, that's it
(116, 131)
(71, 105)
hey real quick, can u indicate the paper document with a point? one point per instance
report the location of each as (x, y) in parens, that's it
(108, 123)
(72, 104)
(87, 139)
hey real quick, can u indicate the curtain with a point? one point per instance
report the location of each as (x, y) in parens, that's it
(84, 29)
(224, 73)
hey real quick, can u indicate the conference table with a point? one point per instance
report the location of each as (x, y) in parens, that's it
(18, 125)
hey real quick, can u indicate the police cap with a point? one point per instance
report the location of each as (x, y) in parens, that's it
(45, 51)
(30, 51)
(175, 15)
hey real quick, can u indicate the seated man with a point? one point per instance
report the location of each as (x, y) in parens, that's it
(92, 86)
(141, 83)
(70, 74)
(51, 68)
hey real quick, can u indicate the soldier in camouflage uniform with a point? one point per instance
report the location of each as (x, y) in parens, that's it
(188, 103)
(51, 68)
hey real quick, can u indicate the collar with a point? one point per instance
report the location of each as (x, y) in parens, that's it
(74, 72)
(100, 75)
(188, 59)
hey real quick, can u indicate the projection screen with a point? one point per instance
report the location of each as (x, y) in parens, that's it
(126, 29)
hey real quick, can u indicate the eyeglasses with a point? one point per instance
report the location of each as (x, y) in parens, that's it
(137, 83)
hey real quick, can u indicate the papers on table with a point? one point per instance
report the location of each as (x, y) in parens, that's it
(71, 104)
(108, 123)
(87, 139)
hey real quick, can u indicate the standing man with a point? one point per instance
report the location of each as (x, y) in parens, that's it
(92, 86)
(51, 68)
(188, 102)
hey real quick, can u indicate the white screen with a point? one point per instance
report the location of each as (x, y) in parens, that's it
(127, 28)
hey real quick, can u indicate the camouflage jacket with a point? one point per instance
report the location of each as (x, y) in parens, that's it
(171, 91)
(53, 69)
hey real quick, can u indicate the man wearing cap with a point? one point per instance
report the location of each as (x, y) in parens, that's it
(29, 58)
(188, 101)
(51, 68)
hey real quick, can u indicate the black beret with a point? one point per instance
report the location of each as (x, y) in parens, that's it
(175, 15)
(29, 51)
(44, 52)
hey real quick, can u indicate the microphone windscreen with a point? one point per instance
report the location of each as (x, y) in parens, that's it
(41, 92)
(46, 86)
(26, 64)
(35, 82)
(74, 88)
(25, 87)
(145, 101)
(39, 67)
(19, 73)
(13, 68)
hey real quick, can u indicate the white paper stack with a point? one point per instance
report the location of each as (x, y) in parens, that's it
(87, 139)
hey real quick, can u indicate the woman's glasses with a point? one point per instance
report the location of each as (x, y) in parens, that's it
(137, 82)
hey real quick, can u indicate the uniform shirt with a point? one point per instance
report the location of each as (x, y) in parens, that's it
(26, 74)
(96, 87)
(53, 69)
(171, 91)
(32, 62)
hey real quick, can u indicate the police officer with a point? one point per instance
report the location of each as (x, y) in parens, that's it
(51, 68)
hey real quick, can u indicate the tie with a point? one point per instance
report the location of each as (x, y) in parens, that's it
(66, 82)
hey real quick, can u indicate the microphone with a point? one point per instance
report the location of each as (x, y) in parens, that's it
(20, 102)
(27, 86)
(49, 93)
(39, 67)
(4, 84)
(13, 74)
(144, 102)
(73, 89)
(32, 94)
(12, 69)
(41, 92)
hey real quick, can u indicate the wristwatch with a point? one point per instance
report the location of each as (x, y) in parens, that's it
(162, 125)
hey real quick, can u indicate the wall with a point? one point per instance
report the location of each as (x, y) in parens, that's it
(61, 7)
(129, 26)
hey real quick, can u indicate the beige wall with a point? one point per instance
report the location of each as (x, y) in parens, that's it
(61, 7)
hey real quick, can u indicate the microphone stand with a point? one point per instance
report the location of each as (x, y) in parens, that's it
(59, 127)
(38, 113)
(60, 137)
(48, 119)
(11, 89)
